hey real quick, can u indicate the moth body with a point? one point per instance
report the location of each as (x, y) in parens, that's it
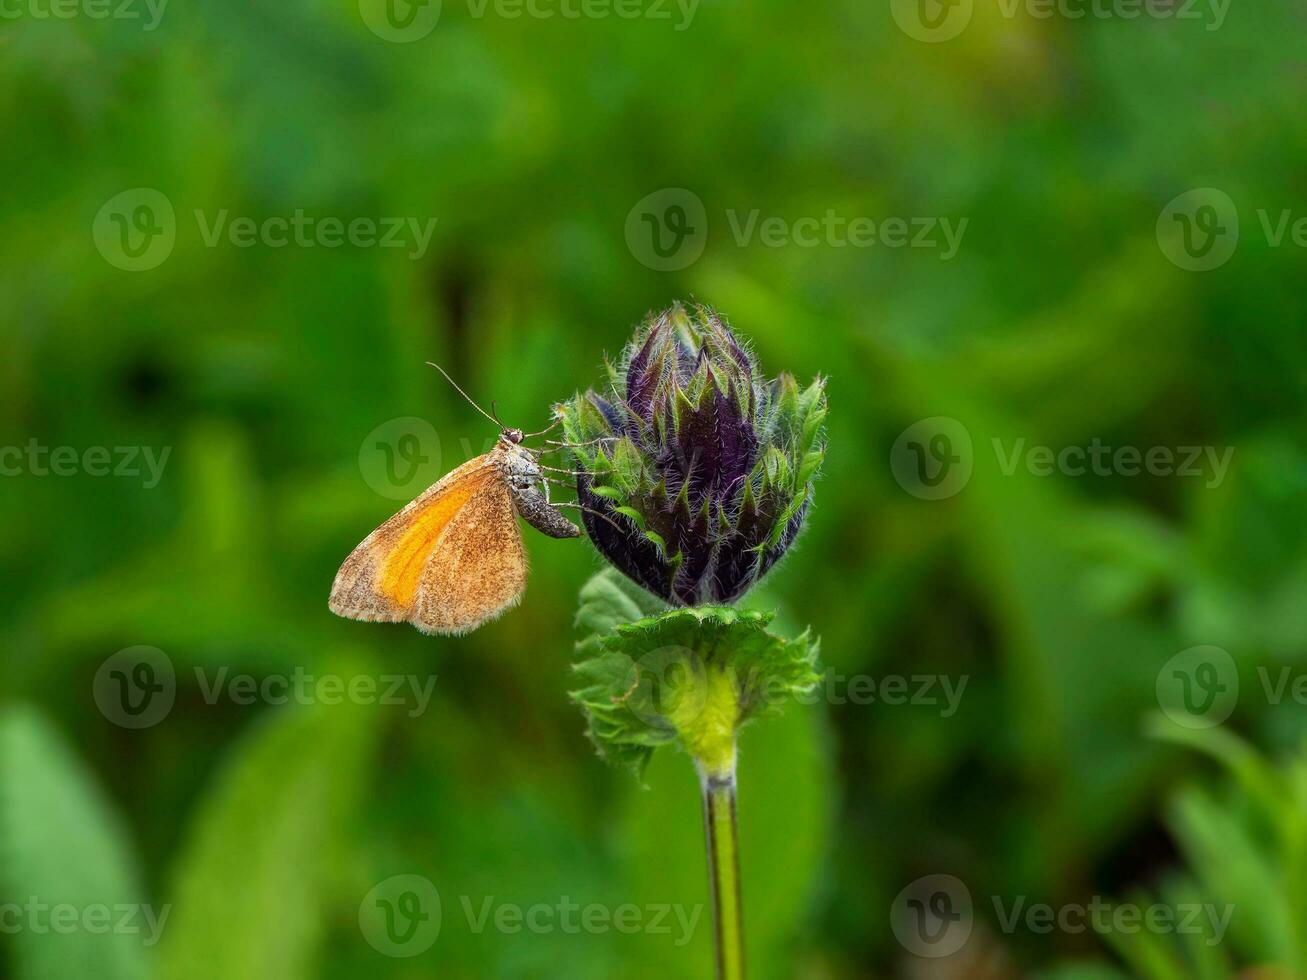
(530, 491)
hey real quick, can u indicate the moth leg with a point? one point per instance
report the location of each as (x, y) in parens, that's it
(577, 445)
(546, 480)
(591, 510)
(555, 469)
(557, 422)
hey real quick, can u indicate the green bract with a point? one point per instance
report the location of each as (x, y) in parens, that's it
(685, 676)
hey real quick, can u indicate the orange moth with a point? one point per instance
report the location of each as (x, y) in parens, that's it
(453, 558)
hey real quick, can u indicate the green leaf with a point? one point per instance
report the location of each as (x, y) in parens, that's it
(1255, 774)
(61, 844)
(610, 599)
(251, 884)
(1231, 862)
(690, 676)
(633, 514)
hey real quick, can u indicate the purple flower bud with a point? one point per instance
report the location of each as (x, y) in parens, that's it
(696, 473)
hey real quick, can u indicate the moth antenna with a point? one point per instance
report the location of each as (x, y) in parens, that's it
(466, 395)
(494, 413)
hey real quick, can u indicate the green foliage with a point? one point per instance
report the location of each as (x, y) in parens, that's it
(687, 676)
(1245, 847)
(252, 884)
(63, 846)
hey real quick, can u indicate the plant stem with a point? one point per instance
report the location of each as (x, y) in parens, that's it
(718, 787)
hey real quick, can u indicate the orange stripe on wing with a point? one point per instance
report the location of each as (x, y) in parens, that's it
(401, 569)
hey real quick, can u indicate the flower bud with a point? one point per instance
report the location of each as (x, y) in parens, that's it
(695, 472)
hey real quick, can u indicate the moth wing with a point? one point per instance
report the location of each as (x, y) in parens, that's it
(478, 567)
(381, 578)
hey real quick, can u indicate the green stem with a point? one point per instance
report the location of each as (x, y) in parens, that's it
(724, 868)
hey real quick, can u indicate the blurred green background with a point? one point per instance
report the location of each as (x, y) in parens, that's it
(272, 376)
